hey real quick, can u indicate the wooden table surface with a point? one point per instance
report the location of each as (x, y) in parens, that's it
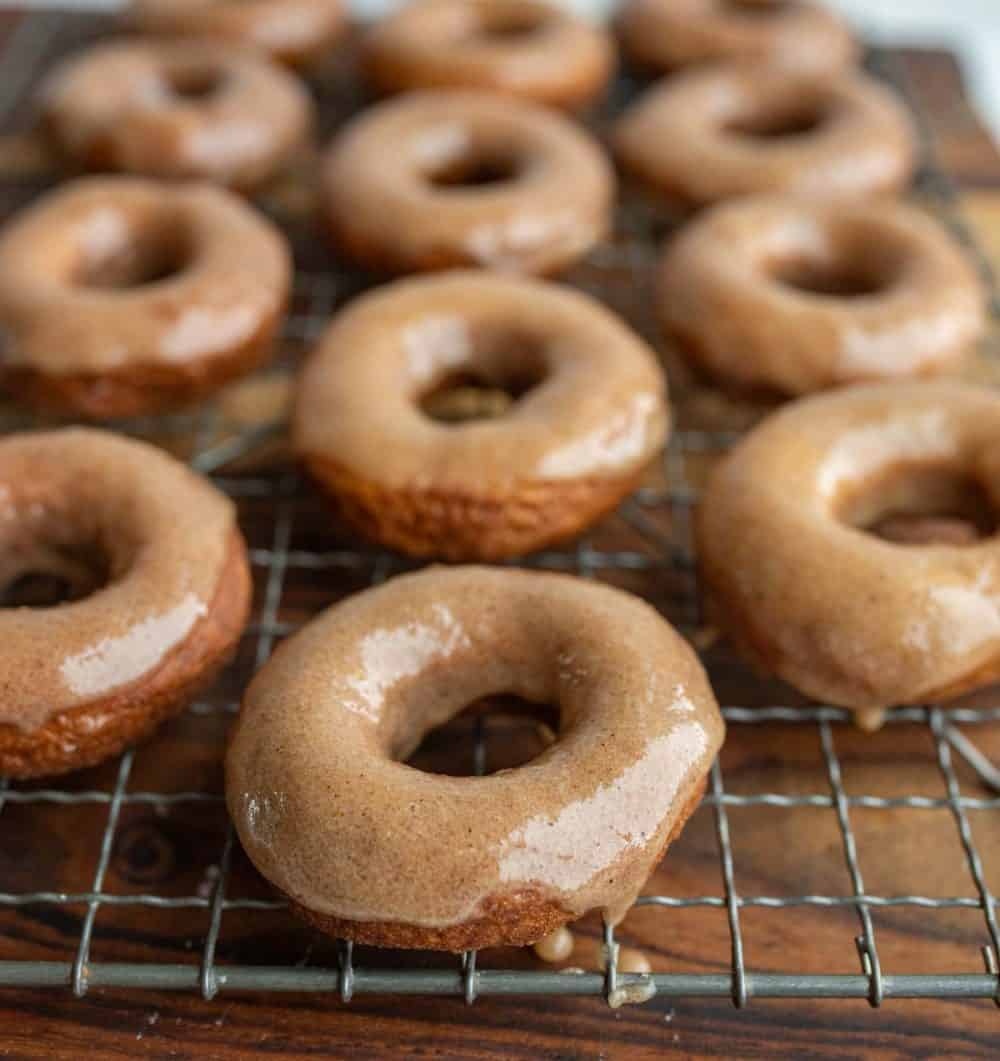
(778, 851)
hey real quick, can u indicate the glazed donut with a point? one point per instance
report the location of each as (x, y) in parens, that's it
(120, 295)
(295, 32)
(589, 413)
(371, 850)
(437, 179)
(664, 35)
(843, 614)
(176, 110)
(527, 48)
(796, 295)
(713, 134)
(151, 571)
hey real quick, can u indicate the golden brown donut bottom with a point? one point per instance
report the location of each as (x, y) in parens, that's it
(295, 32)
(527, 48)
(176, 110)
(665, 35)
(432, 180)
(590, 415)
(794, 295)
(794, 577)
(516, 920)
(716, 133)
(323, 805)
(121, 296)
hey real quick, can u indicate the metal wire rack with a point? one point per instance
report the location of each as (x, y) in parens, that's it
(275, 507)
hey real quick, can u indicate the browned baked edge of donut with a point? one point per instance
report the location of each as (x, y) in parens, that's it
(456, 526)
(86, 735)
(689, 345)
(678, 200)
(99, 155)
(986, 674)
(515, 920)
(763, 654)
(301, 57)
(140, 389)
(351, 243)
(389, 76)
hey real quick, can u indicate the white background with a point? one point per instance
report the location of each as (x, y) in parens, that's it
(971, 28)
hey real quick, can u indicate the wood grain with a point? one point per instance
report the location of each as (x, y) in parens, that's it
(172, 849)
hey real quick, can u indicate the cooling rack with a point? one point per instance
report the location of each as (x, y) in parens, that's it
(300, 565)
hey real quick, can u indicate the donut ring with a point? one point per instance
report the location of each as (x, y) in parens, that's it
(843, 615)
(88, 325)
(176, 110)
(372, 850)
(158, 567)
(537, 191)
(798, 295)
(295, 32)
(592, 414)
(664, 35)
(526, 48)
(713, 134)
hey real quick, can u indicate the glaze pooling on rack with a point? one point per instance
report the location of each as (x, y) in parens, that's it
(279, 554)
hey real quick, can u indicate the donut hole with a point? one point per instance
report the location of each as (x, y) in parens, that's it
(800, 118)
(838, 278)
(45, 576)
(511, 25)
(754, 8)
(149, 255)
(500, 732)
(507, 368)
(475, 170)
(195, 84)
(922, 505)
(465, 396)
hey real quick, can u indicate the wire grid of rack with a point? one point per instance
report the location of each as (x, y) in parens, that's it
(666, 547)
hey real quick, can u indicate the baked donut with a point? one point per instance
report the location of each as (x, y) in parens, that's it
(796, 568)
(295, 32)
(368, 849)
(120, 295)
(588, 413)
(125, 586)
(436, 179)
(527, 48)
(176, 110)
(664, 35)
(712, 134)
(795, 295)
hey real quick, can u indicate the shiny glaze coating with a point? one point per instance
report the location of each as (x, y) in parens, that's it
(566, 451)
(845, 616)
(797, 34)
(712, 134)
(295, 32)
(162, 584)
(726, 294)
(82, 330)
(527, 48)
(325, 808)
(176, 110)
(392, 205)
